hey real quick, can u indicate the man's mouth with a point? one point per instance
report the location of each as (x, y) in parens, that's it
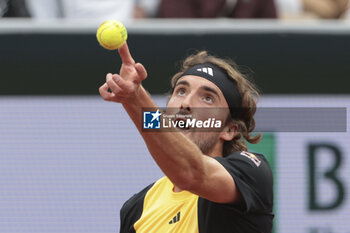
(181, 124)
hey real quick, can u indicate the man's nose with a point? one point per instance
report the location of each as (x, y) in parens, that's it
(186, 103)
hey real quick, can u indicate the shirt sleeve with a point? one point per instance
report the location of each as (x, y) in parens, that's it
(253, 178)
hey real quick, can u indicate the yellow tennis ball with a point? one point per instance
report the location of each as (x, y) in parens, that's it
(111, 34)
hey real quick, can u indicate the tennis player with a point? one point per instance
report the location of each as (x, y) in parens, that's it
(211, 183)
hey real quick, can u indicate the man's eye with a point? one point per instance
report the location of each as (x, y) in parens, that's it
(181, 92)
(208, 99)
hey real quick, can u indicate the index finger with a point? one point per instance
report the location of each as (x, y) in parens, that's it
(125, 55)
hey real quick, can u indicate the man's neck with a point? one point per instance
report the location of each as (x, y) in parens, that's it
(177, 189)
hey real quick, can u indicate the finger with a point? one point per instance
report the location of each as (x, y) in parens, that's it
(106, 95)
(125, 55)
(141, 71)
(108, 76)
(113, 85)
(125, 86)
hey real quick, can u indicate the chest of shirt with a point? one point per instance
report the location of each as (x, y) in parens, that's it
(168, 212)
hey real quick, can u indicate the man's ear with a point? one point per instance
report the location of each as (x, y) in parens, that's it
(229, 131)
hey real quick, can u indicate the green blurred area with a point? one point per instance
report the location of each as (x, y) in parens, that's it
(267, 147)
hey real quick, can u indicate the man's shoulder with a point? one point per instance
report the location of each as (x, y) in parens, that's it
(253, 178)
(244, 164)
(137, 197)
(254, 159)
(132, 209)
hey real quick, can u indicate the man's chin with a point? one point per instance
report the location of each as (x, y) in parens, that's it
(185, 131)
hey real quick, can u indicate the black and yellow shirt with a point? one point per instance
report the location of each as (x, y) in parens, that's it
(157, 209)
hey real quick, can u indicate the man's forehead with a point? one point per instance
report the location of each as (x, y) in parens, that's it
(193, 80)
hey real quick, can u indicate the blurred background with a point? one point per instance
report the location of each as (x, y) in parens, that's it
(69, 160)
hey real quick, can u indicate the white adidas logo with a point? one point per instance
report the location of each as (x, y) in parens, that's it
(207, 70)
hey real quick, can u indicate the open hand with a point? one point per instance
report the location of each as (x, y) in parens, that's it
(126, 85)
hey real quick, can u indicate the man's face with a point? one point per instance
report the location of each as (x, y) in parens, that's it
(201, 99)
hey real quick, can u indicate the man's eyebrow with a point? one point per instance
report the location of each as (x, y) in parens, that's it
(206, 88)
(183, 82)
(212, 90)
